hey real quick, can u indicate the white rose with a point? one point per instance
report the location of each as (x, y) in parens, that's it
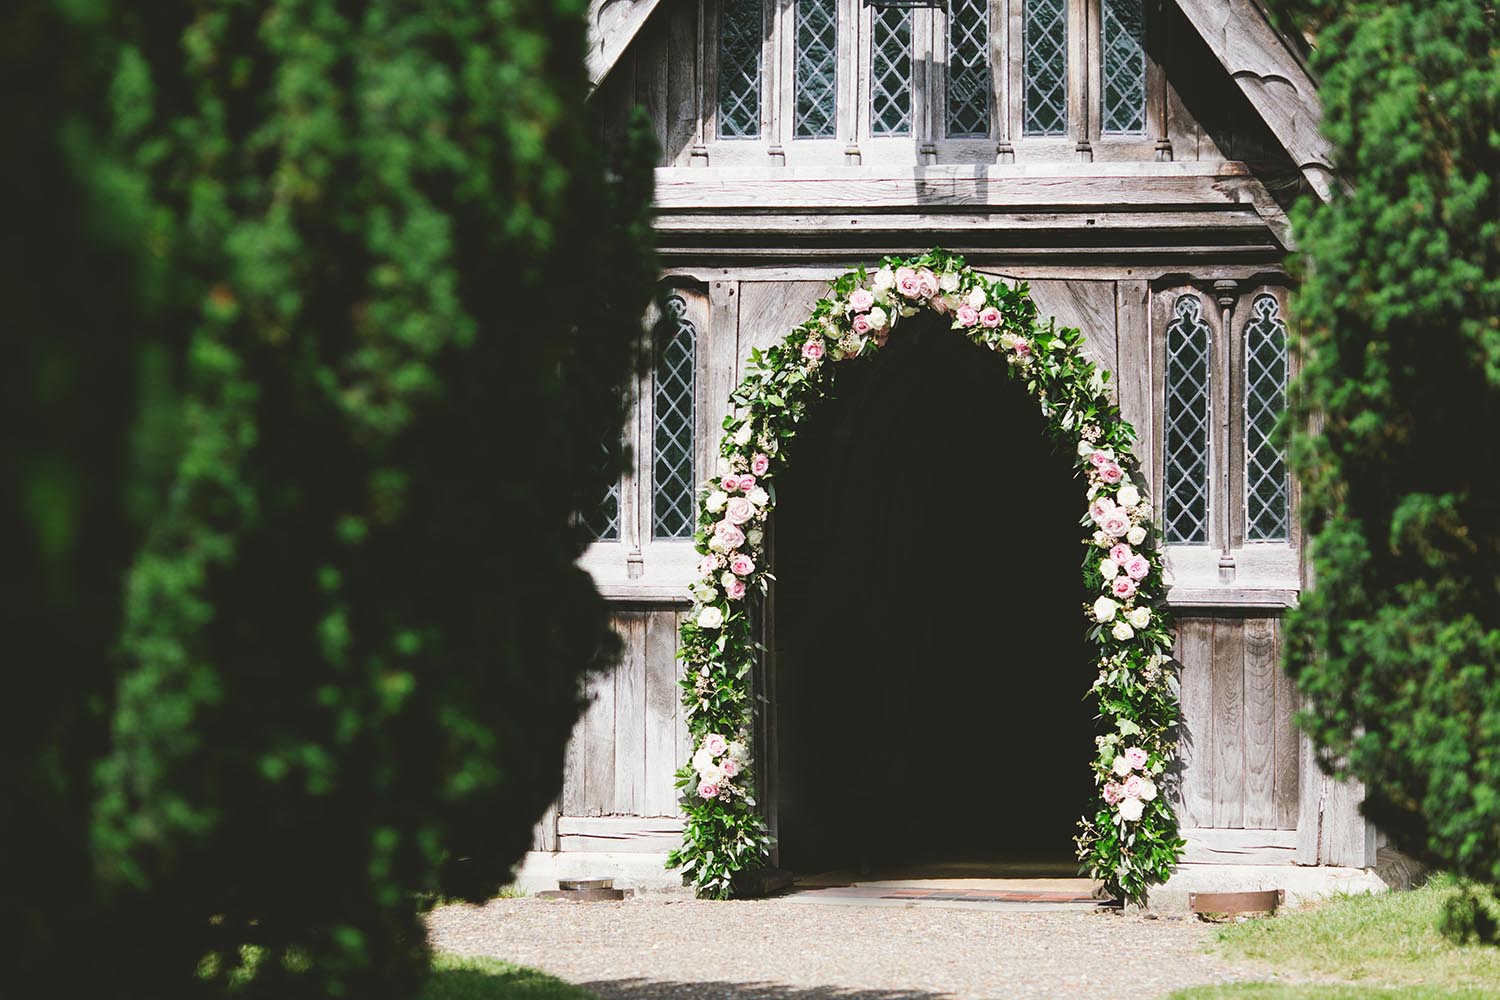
(1148, 789)
(716, 501)
(1104, 609)
(1102, 540)
(948, 282)
(755, 537)
(908, 311)
(704, 592)
(716, 543)
(1122, 631)
(1121, 766)
(1085, 449)
(713, 774)
(976, 297)
(738, 750)
(743, 435)
(879, 318)
(1136, 535)
(710, 617)
(758, 496)
(885, 280)
(1108, 567)
(1128, 496)
(702, 760)
(727, 579)
(1131, 809)
(1140, 617)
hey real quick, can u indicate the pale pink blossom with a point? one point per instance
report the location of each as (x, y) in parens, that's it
(1123, 587)
(1100, 509)
(966, 315)
(1121, 553)
(1112, 792)
(938, 304)
(1133, 786)
(813, 350)
(928, 282)
(989, 316)
(729, 535)
(709, 566)
(708, 790)
(1023, 348)
(861, 323)
(862, 299)
(1115, 523)
(738, 511)
(747, 483)
(1111, 472)
(730, 767)
(730, 484)
(742, 565)
(715, 744)
(1137, 757)
(760, 465)
(1138, 567)
(734, 589)
(907, 282)
(1099, 459)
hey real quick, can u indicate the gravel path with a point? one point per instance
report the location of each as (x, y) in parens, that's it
(668, 947)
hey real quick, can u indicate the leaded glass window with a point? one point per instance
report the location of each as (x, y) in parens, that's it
(969, 68)
(1266, 486)
(890, 71)
(1185, 497)
(740, 34)
(603, 522)
(1123, 36)
(672, 476)
(1045, 68)
(817, 68)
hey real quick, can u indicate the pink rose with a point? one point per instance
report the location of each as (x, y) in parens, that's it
(966, 315)
(734, 589)
(813, 350)
(715, 744)
(729, 536)
(939, 305)
(742, 565)
(1115, 523)
(861, 323)
(1133, 786)
(990, 317)
(729, 484)
(1123, 587)
(1120, 553)
(760, 465)
(708, 790)
(1111, 473)
(928, 283)
(738, 511)
(747, 483)
(1137, 568)
(1137, 758)
(907, 282)
(1099, 459)
(1112, 792)
(862, 299)
(1100, 509)
(730, 767)
(1023, 348)
(708, 566)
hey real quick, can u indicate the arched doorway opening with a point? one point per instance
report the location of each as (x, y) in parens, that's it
(929, 655)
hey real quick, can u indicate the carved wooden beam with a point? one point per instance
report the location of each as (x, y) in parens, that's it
(1271, 76)
(612, 26)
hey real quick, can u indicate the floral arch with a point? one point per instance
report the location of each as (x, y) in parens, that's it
(1131, 840)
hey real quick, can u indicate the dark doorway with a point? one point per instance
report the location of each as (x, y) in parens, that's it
(931, 658)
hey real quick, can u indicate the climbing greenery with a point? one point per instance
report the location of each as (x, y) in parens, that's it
(321, 311)
(1397, 645)
(1130, 840)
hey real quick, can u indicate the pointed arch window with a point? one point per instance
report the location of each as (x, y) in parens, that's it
(1266, 485)
(1186, 486)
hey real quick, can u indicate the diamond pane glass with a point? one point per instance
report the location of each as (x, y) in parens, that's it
(890, 72)
(1123, 35)
(672, 476)
(603, 522)
(740, 32)
(969, 69)
(1266, 486)
(1185, 497)
(1046, 68)
(817, 68)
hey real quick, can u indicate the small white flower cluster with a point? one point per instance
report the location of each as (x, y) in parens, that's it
(1120, 524)
(1134, 788)
(718, 762)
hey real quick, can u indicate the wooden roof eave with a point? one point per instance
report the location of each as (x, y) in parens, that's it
(613, 25)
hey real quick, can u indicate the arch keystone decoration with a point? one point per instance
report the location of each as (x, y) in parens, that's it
(1131, 841)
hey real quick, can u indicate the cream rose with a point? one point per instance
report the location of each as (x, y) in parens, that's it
(758, 497)
(1128, 496)
(1136, 535)
(755, 537)
(1085, 449)
(1139, 617)
(1121, 766)
(716, 501)
(1108, 568)
(1122, 631)
(1115, 524)
(976, 297)
(879, 319)
(739, 510)
(1131, 809)
(885, 280)
(949, 281)
(743, 434)
(711, 617)
(1104, 609)
(1148, 789)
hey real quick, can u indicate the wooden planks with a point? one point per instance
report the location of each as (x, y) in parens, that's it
(1288, 744)
(663, 717)
(623, 834)
(1239, 847)
(1261, 668)
(1132, 375)
(1195, 653)
(612, 25)
(769, 309)
(1087, 305)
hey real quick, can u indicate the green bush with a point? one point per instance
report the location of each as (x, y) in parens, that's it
(388, 297)
(1397, 646)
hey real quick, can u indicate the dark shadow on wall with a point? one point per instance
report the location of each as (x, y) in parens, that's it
(931, 658)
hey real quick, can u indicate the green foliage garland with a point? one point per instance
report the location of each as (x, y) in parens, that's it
(1131, 841)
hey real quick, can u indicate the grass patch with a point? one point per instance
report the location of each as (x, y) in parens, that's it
(489, 979)
(1384, 945)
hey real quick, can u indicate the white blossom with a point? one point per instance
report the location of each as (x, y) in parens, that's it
(711, 617)
(1140, 617)
(1136, 535)
(1105, 608)
(716, 501)
(1123, 631)
(1131, 809)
